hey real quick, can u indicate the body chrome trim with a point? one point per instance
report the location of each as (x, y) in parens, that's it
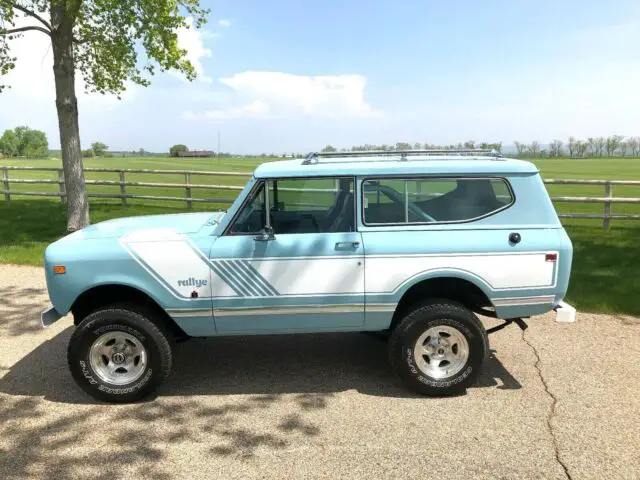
(380, 307)
(537, 300)
(190, 312)
(288, 310)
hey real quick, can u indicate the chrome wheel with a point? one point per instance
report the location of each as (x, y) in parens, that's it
(118, 358)
(441, 352)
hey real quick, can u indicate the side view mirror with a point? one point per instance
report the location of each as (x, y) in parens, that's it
(265, 235)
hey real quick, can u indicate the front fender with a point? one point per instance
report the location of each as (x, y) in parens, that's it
(63, 292)
(85, 272)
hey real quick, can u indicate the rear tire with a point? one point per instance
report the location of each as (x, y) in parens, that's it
(118, 355)
(438, 348)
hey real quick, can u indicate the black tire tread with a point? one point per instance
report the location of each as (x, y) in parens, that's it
(139, 316)
(430, 306)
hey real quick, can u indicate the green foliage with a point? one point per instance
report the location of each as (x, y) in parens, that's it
(24, 142)
(173, 151)
(329, 149)
(9, 144)
(88, 153)
(108, 36)
(99, 148)
(7, 62)
(110, 30)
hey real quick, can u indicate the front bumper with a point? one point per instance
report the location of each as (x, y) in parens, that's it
(49, 316)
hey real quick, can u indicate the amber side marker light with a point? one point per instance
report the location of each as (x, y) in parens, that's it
(59, 269)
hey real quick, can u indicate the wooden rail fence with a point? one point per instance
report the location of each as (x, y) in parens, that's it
(607, 200)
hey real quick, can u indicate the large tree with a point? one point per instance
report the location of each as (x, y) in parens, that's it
(174, 150)
(9, 144)
(99, 148)
(24, 142)
(110, 42)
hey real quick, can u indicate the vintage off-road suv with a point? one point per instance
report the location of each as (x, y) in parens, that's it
(412, 244)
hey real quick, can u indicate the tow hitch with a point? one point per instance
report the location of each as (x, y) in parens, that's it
(518, 321)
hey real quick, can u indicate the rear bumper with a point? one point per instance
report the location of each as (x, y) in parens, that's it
(49, 316)
(565, 313)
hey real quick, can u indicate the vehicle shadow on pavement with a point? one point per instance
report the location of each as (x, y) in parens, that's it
(20, 310)
(258, 365)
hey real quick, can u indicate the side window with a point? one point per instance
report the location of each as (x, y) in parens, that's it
(312, 205)
(431, 200)
(384, 201)
(308, 205)
(251, 218)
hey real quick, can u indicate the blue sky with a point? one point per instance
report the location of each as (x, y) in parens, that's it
(283, 76)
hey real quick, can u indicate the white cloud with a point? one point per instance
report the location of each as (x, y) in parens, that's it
(192, 40)
(255, 109)
(224, 23)
(285, 95)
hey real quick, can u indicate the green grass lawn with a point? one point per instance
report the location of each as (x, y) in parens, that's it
(603, 279)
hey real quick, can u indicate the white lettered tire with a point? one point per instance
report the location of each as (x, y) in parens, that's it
(438, 348)
(118, 355)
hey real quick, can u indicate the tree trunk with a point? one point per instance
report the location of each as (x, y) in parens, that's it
(67, 107)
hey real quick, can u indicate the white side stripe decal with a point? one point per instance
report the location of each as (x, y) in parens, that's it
(181, 268)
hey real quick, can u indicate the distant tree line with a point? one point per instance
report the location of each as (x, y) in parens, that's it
(592, 147)
(497, 146)
(615, 145)
(24, 142)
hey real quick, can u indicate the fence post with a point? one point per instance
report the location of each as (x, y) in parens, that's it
(187, 189)
(608, 190)
(123, 188)
(5, 182)
(62, 187)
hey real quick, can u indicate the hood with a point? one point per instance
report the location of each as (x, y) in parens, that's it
(186, 223)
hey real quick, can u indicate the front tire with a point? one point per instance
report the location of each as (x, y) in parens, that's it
(438, 348)
(118, 355)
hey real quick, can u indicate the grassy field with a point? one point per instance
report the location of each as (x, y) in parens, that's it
(604, 274)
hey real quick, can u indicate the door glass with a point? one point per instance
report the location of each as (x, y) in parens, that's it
(312, 205)
(251, 219)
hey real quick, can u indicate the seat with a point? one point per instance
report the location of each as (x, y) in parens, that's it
(333, 213)
(343, 220)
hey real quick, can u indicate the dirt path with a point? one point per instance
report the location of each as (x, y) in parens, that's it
(558, 401)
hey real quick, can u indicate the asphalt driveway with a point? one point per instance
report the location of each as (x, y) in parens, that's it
(559, 401)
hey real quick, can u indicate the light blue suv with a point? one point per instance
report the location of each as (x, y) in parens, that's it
(410, 244)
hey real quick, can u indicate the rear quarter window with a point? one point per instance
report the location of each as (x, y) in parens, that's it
(433, 200)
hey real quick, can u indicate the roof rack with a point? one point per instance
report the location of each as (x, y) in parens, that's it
(400, 155)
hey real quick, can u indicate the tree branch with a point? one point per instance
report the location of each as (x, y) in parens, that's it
(75, 9)
(24, 29)
(79, 41)
(30, 13)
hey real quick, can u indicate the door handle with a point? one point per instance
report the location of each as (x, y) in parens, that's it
(347, 245)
